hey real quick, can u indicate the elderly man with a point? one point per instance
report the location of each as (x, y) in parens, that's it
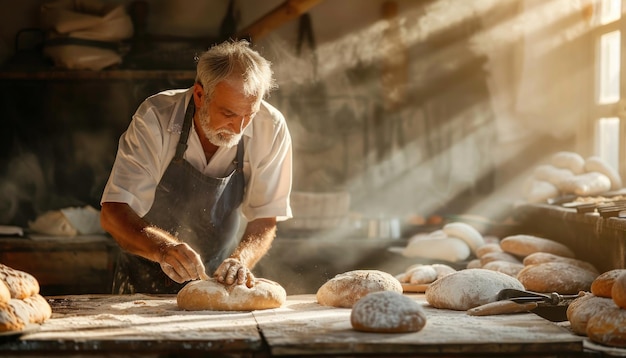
(193, 161)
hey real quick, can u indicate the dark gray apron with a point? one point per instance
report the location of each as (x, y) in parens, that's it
(199, 210)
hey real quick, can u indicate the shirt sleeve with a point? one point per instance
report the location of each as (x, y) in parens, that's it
(269, 184)
(138, 165)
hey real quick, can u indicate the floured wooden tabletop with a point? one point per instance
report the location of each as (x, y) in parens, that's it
(153, 324)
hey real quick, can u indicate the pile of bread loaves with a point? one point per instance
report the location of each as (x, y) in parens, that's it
(20, 301)
(570, 173)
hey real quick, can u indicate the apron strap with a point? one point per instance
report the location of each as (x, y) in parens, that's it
(184, 134)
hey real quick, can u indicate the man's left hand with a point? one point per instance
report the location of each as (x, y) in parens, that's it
(233, 271)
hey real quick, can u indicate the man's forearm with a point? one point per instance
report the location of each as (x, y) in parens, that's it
(256, 241)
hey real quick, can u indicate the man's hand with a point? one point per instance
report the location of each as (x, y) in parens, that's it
(233, 271)
(181, 263)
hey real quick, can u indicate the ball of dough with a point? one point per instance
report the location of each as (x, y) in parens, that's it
(345, 289)
(469, 288)
(583, 308)
(608, 327)
(212, 295)
(524, 245)
(387, 312)
(618, 291)
(603, 284)
(556, 277)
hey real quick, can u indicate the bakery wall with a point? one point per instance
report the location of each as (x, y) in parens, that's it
(416, 109)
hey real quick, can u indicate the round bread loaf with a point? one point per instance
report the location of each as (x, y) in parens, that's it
(556, 277)
(506, 267)
(608, 327)
(603, 284)
(488, 248)
(345, 289)
(618, 291)
(524, 245)
(469, 288)
(212, 295)
(583, 308)
(387, 312)
(543, 257)
(21, 284)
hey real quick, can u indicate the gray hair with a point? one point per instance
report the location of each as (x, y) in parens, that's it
(235, 60)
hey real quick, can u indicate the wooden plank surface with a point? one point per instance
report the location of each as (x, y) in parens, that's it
(302, 326)
(143, 323)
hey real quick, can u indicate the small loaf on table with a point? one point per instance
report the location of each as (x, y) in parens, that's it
(345, 289)
(583, 308)
(215, 296)
(603, 284)
(556, 277)
(608, 327)
(469, 288)
(543, 257)
(387, 312)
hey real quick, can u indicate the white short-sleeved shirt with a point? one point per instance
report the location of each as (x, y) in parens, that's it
(149, 144)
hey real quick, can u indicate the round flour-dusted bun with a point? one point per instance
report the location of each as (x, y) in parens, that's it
(469, 288)
(618, 292)
(524, 245)
(556, 277)
(608, 327)
(603, 284)
(345, 289)
(543, 257)
(212, 295)
(387, 312)
(21, 284)
(583, 308)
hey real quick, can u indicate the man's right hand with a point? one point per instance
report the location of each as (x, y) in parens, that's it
(181, 263)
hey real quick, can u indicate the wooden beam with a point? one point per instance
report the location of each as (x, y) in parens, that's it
(287, 11)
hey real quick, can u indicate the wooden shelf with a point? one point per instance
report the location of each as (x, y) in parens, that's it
(118, 74)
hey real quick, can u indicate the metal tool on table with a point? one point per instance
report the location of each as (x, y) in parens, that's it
(551, 306)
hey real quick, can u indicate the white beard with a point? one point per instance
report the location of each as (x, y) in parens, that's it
(221, 137)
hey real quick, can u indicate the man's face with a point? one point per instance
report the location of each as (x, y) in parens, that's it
(224, 116)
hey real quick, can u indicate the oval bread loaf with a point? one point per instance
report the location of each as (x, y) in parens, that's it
(506, 267)
(387, 312)
(488, 248)
(469, 288)
(568, 160)
(556, 277)
(583, 308)
(499, 256)
(422, 274)
(608, 327)
(543, 257)
(524, 245)
(465, 232)
(603, 284)
(596, 164)
(345, 289)
(618, 291)
(213, 295)
(448, 249)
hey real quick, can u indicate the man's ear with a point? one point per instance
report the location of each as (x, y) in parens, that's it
(198, 92)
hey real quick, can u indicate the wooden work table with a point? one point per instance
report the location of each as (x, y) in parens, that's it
(152, 325)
